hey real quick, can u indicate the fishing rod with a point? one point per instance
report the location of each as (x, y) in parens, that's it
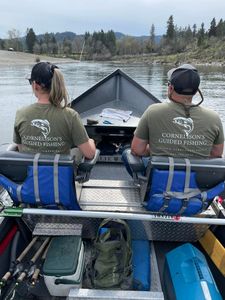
(16, 265)
(28, 270)
(37, 271)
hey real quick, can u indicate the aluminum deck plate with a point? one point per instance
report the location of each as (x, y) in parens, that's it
(110, 195)
(57, 229)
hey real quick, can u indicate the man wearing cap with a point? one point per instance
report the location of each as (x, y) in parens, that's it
(179, 128)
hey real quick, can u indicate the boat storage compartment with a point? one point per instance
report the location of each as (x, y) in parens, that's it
(63, 267)
(153, 293)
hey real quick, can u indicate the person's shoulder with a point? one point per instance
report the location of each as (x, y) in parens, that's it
(26, 109)
(157, 107)
(70, 112)
(209, 112)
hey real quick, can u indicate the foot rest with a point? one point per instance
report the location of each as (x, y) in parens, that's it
(57, 229)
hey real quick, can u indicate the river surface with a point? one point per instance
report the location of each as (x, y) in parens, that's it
(16, 92)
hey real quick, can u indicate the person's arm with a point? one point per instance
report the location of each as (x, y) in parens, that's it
(13, 147)
(16, 134)
(88, 149)
(140, 147)
(217, 150)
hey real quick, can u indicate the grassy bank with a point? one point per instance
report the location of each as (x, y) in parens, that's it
(175, 59)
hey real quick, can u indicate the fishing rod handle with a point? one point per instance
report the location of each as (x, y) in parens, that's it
(37, 271)
(35, 276)
(27, 249)
(21, 277)
(38, 253)
(6, 276)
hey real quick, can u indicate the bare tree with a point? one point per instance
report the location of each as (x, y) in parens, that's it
(14, 40)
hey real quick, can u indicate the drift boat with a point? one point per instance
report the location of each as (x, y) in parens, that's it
(110, 111)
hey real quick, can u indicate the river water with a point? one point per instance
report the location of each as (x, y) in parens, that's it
(16, 92)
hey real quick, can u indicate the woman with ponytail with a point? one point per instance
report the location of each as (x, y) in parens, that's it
(49, 125)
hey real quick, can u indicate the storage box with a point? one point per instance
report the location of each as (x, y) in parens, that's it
(190, 275)
(63, 267)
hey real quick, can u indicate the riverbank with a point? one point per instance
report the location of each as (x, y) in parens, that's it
(173, 59)
(9, 58)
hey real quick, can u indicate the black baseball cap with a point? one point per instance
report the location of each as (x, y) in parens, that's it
(42, 73)
(185, 79)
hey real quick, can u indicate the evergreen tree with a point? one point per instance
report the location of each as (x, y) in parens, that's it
(151, 45)
(194, 32)
(110, 42)
(201, 35)
(170, 33)
(86, 36)
(30, 39)
(212, 29)
(220, 28)
(188, 34)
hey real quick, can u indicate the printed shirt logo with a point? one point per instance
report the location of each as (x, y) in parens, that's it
(187, 124)
(43, 125)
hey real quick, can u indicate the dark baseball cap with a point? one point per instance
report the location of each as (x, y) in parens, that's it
(42, 73)
(185, 79)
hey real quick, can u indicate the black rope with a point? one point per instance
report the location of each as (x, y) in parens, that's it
(188, 107)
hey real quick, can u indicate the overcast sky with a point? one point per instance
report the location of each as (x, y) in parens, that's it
(133, 17)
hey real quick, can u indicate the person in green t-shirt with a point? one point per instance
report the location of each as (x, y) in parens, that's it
(179, 128)
(49, 125)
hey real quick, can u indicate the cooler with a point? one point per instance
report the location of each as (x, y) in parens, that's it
(63, 267)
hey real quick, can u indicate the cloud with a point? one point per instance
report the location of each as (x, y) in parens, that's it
(127, 16)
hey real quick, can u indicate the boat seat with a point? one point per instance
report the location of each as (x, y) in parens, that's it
(43, 179)
(178, 186)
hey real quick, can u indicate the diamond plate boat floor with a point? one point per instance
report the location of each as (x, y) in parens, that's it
(111, 195)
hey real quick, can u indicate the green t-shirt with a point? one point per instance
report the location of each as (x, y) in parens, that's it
(170, 133)
(46, 128)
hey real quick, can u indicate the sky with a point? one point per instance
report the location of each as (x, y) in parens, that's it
(131, 17)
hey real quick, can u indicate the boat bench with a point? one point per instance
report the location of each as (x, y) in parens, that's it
(43, 179)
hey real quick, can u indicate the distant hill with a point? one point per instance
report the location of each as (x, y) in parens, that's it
(120, 35)
(60, 36)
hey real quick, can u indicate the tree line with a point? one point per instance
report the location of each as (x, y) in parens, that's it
(105, 45)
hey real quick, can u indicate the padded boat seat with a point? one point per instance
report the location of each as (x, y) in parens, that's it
(178, 185)
(43, 179)
(209, 172)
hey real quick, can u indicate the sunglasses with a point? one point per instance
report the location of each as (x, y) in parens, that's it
(30, 81)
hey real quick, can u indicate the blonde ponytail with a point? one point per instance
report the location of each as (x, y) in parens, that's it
(58, 95)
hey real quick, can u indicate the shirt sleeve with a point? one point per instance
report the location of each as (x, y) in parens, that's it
(142, 130)
(220, 136)
(16, 135)
(79, 133)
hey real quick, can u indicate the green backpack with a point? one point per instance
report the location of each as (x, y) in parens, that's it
(111, 265)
